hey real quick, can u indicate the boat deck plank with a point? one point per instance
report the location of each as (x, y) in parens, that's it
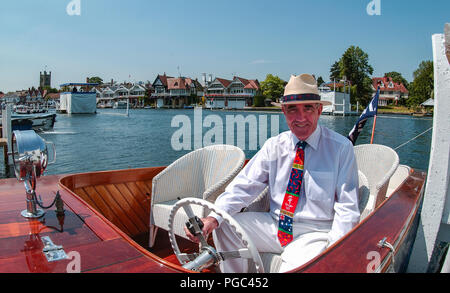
(101, 246)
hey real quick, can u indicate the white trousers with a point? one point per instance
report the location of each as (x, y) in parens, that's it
(310, 239)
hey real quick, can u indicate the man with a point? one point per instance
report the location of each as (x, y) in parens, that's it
(312, 176)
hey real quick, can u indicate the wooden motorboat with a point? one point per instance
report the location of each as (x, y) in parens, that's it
(106, 225)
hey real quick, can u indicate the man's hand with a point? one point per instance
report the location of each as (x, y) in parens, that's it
(210, 224)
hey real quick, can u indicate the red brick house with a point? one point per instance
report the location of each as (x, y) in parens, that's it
(390, 91)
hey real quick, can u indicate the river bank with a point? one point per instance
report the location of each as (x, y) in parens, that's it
(386, 110)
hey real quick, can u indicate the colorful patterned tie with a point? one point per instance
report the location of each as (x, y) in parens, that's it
(291, 197)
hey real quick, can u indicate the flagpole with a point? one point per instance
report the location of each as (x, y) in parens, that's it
(373, 128)
(374, 120)
(370, 111)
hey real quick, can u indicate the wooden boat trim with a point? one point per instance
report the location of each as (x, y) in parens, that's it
(403, 233)
(97, 231)
(385, 253)
(84, 176)
(317, 264)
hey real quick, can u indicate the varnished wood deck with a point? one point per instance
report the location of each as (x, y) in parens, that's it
(101, 246)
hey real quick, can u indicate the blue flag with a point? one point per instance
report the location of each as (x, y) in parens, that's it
(370, 111)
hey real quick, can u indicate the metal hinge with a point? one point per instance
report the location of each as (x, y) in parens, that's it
(51, 251)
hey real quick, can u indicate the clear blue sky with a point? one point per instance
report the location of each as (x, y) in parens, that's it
(248, 38)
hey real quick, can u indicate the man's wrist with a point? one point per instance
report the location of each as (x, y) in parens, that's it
(218, 218)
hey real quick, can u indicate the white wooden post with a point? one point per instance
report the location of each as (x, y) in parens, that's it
(7, 128)
(434, 225)
(128, 106)
(343, 106)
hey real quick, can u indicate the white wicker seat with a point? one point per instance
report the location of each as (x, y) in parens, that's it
(203, 173)
(363, 195)
(378, 163)
(400, 175)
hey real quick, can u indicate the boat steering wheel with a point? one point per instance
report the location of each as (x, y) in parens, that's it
(208, 255)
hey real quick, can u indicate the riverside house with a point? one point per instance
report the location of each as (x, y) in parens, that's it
(161, 91)
(175, 92)
(231, 94)
(390, 92)
(108, 94)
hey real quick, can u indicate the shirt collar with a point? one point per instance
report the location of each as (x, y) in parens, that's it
(312, 140)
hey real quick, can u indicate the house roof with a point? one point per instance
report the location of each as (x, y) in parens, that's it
(224, 82)
(429, 102)
(163, 79)
(248, 83)
(335, 84)
(176, 83)
(198, 85)
(397, 87)
(138, 86)
(52, 96)
(252, 84)
(78, 84)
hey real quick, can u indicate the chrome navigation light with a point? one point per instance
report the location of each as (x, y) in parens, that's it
(30, 158)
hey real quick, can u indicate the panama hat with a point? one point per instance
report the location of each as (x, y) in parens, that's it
(302, 89)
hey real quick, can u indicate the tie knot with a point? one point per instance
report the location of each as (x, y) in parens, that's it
(301, 144)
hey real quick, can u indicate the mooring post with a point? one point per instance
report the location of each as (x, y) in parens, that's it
(6, 132)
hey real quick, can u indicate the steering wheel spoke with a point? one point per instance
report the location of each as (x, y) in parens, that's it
(186, 257)
(241, 253)
(207, 255)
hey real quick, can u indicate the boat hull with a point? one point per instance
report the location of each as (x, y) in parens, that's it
(36, 122)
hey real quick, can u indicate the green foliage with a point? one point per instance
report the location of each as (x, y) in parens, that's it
(422, 87)
(320, 81)
(50, 89)
(272, 87)
(95, 79)
(335, 71)
(397, 78)
(354, 66)
(258, 100)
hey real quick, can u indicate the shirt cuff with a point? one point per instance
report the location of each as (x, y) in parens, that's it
(217, 217)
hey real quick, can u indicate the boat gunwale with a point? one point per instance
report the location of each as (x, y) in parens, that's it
(386, 260)
(385, 255)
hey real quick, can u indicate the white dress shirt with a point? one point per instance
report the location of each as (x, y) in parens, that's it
(329, 191)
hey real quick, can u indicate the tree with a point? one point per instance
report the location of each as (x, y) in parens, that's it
(50, 90)
(320, 81)
(258, 100)
(354, 66)
(95, 79)
(272, 87)
(335, 71)
(421, 89)
(397, 78)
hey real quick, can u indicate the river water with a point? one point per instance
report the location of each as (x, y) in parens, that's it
(110, 140)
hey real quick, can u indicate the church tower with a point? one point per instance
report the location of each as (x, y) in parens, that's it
(45, 79)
